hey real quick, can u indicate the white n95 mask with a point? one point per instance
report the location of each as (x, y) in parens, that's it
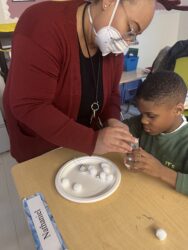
(108, 39)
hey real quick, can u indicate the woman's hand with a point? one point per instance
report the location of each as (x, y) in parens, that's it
(116, 123)
(114, 139)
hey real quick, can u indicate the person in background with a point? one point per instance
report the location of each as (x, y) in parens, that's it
(63, 83)
(162, 130)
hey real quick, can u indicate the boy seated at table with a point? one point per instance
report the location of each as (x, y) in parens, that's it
(162, 130)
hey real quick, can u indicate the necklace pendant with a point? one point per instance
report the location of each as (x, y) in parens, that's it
(95, 120)
(94, 108)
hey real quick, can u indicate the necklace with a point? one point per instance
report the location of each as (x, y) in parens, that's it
(95, 119)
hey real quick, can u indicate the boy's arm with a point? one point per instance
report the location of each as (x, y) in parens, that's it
(168, 175)
(177, 180)
(150, 165)
(182, 183)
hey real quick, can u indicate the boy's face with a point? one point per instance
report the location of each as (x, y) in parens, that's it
(160, 118)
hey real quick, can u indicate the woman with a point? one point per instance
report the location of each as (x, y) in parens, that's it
(63, 83)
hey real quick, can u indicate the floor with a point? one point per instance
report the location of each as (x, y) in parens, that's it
(14, 233)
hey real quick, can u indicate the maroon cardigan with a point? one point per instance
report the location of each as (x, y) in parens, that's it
(43, 90)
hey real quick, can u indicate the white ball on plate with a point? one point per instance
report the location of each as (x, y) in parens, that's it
(161, 234)
(77, 187)
(91, 167)
(102, 176)
(106, 170)
(83, 168)
(93, 171)
(106, 167)
(65, 182)
(104, 164)
(110, 177)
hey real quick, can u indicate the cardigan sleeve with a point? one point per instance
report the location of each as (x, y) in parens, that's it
(32, 93)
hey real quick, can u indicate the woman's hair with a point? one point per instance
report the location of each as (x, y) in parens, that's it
(162, 87)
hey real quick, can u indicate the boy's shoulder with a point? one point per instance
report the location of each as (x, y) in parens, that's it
(183, 131)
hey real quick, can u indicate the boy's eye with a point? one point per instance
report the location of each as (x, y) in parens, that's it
(151, 116)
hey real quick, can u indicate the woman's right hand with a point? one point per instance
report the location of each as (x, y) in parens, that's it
(113, 139)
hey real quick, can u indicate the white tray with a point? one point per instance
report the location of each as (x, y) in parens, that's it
(93, 188)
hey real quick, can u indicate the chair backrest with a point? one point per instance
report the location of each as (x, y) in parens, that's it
(181, 68)
(159, 62)
(166, 59)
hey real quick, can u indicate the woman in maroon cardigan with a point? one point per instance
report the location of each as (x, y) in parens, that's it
(63, 83)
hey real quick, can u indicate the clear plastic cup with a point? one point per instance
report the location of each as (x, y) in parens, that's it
(129, 158)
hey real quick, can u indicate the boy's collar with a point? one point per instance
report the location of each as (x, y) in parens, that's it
(184, 122)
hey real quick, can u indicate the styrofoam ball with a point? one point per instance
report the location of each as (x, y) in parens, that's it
(161, 234)
(83, 168)
(109, 177)
(93, 171)
(104, 164)
(91, 167)
(65, 182)
(77, 187)
(106, 167)
(102, 176)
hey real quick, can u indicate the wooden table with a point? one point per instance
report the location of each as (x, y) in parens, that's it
(127, 220)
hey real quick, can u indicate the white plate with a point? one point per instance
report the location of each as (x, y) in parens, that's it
(93, 188)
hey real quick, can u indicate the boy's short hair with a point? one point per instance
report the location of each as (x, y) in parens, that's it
(162, 87)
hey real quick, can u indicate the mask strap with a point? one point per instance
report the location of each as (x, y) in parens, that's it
(90, 19)
(111, 19)
(114, 11)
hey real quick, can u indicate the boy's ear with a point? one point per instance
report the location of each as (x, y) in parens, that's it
(179, 108)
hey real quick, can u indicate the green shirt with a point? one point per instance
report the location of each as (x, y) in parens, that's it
(170, 149)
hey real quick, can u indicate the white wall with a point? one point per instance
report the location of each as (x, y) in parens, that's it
(166, 28)
(4, 13)
(163, 31)
(183, 26)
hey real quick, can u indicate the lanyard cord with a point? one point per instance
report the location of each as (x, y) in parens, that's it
(91, 61)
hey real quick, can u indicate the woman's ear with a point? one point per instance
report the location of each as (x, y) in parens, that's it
(107, 3)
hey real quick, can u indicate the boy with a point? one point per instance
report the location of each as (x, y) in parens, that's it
(162, 129)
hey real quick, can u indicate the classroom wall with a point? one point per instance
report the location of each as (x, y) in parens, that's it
(10, 10)
(183, 26)
(17, 8)
(163, 31)
(166, 28)
(4, 13)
